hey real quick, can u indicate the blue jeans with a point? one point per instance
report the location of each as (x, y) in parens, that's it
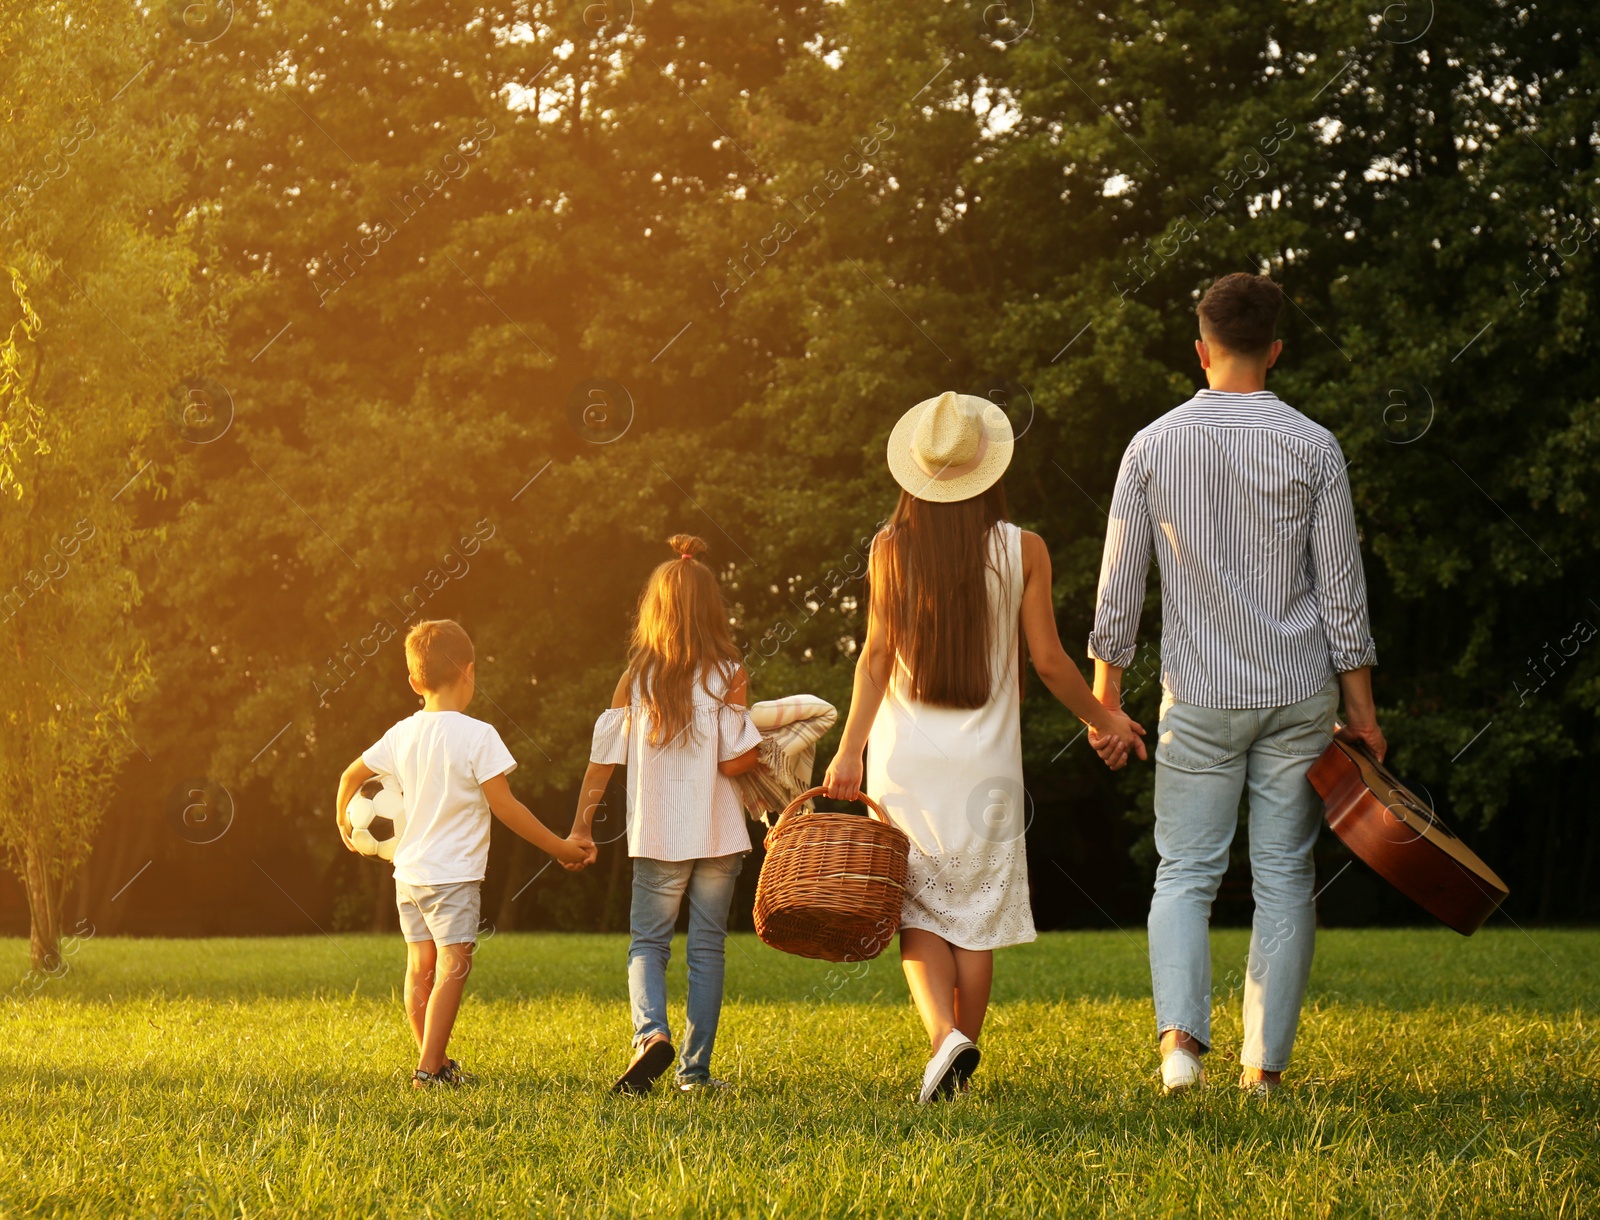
(658, 889)
(1205, 758)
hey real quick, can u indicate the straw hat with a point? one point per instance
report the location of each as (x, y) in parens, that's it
(952, 447)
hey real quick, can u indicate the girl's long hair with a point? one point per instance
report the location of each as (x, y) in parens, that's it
(680, 635)
(929, 586)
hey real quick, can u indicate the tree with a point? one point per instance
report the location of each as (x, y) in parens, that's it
(1422, 184)
(101, 326)
(761, 229)
(427, 274)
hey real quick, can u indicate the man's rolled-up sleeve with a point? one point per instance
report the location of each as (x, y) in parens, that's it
(1124, 566)
(1336, 573)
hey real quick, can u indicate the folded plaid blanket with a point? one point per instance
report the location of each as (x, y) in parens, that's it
(790, 729)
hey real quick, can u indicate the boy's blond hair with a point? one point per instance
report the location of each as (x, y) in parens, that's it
(438, 652)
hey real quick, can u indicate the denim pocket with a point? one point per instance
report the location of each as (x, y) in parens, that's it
(1304, 729)
(1193, 738)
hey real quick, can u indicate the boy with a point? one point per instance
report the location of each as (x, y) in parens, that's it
(452, 771)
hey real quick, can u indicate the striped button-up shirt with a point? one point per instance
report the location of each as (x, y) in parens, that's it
(1246, 505)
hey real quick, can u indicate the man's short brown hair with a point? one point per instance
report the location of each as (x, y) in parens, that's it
(438, 652)
(1239, 313)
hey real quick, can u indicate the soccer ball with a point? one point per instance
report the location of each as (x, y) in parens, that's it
(377, 816)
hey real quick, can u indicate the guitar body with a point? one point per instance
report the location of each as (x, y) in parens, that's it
(1397, 835)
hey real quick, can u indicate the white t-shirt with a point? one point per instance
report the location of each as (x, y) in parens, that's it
(440, 759)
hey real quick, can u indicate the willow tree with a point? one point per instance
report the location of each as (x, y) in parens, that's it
(98, 331)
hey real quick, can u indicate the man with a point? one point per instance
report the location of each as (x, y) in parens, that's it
(1247, 506)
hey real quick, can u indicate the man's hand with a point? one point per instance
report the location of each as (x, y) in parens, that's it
(1360, 713)
(1368, 734)
(1113, 751)
(1114, 747)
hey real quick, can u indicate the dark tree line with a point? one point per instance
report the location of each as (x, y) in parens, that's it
(457, 309)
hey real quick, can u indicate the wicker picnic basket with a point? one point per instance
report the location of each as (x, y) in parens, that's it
(832, 883)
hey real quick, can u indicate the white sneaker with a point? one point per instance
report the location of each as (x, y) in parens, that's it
(939, 1077)
(1181, 1071)
(704, 1086)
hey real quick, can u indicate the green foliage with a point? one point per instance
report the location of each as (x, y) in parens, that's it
(106, 317)
(19, 414)
(1433, 1076)
(420, 234)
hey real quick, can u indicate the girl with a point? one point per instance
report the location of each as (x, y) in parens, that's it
(958, 597)
(679, 721)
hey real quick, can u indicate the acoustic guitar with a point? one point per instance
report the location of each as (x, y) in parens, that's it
(1397, 835)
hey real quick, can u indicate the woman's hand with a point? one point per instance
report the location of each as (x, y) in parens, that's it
(1120, 737)
(843, 781)
(873, 665)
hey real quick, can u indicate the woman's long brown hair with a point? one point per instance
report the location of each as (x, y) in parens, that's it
(929, 587)
(679, 636)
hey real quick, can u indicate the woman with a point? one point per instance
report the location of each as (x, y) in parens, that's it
(956, 591)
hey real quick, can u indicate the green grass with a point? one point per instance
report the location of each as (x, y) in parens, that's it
(1434, 1075)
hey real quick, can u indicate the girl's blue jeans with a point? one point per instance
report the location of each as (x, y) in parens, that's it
(658, 890)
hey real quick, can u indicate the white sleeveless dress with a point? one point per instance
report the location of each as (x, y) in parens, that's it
(951, 778)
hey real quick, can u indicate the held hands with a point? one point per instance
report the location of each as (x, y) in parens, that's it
(1121, 737)
(576, 852)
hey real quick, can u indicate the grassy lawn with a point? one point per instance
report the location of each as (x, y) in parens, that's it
(1434, 1075)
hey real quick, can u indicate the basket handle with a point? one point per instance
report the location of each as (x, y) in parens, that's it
(805, 796)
